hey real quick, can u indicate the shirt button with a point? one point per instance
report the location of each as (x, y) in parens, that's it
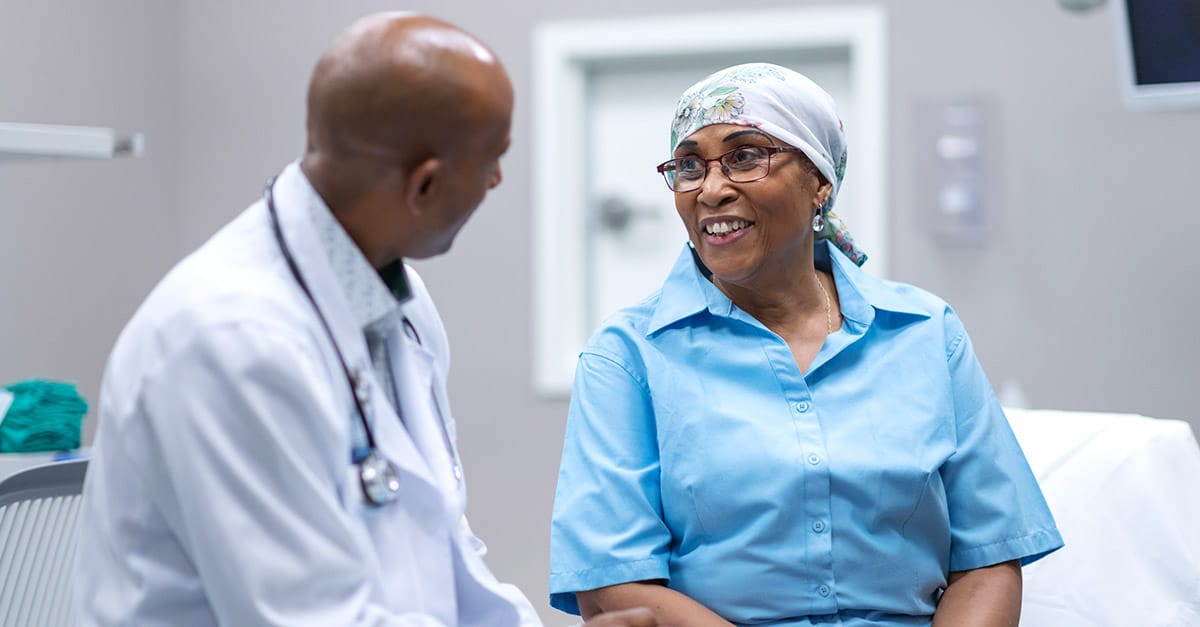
(814, 459)
(803, 406)
(823, 590)
(818, 526)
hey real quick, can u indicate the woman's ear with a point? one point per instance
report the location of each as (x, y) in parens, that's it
(423, 184)
(823, 193)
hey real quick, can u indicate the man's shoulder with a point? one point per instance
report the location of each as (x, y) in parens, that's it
(233, 278)
(230, 305)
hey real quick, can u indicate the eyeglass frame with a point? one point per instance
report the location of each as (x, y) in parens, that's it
(664, 167)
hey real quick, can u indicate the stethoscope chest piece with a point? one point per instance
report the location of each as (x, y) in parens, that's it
(380, 479)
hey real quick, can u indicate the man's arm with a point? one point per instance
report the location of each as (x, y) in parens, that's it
(669, 606)
(252, 459)
(983, 597)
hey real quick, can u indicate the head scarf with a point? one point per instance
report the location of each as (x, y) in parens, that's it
(784, 104)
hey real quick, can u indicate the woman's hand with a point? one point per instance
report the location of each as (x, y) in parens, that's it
(983, 597)
(669, 606)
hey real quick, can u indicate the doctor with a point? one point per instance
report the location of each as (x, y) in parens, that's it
(275, 445)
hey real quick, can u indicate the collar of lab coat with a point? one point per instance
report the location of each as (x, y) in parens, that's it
(292, 194)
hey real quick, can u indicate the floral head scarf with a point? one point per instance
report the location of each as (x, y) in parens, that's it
(784, 104)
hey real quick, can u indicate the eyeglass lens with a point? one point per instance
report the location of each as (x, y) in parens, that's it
(740, 165)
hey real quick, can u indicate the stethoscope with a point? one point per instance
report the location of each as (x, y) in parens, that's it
(378, 476)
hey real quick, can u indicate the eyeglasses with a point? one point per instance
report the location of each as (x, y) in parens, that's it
(743, 164)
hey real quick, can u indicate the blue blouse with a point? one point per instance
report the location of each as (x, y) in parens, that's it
(697, 452)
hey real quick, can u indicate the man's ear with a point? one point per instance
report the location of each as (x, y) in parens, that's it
(423, 184)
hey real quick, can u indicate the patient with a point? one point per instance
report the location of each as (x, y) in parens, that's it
(776, 437)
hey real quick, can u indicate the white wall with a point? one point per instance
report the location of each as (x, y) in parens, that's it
(81, 242)
(1086, 291)
(1082, 293)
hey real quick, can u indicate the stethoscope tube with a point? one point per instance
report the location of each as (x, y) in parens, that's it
(378, 476)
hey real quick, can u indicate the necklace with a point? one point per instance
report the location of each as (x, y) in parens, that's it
(828, 306)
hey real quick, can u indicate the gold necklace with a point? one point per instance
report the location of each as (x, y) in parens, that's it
(828, 306)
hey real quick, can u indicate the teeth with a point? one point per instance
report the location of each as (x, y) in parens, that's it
(721, 228)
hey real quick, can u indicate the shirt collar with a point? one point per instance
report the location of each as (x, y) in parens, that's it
(688, 290)
(374, 297)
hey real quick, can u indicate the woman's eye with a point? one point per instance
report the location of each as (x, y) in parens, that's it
(688, 166)
(745, 156)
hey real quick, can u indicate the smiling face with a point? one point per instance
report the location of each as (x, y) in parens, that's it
(757, 233)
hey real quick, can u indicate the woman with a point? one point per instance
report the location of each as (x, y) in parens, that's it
(776, 437)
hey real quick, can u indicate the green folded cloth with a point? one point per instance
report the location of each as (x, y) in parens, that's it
(44, 416)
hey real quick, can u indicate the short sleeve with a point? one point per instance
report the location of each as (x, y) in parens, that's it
(997, 511)
(607, 526)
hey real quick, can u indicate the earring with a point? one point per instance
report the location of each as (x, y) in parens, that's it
(818, 222)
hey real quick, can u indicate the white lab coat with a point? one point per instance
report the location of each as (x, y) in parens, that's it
(221, 489)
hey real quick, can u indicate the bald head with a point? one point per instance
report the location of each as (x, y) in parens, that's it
(407, 119)
(395, 88)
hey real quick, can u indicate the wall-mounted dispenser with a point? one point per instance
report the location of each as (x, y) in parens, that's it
(955, 173)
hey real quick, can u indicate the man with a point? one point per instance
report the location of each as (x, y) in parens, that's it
(275, 446)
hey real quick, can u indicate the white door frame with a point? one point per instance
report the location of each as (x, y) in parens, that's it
(563, 52)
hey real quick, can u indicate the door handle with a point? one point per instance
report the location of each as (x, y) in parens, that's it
(616, 213)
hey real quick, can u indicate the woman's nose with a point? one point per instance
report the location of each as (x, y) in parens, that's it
(716, 186)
